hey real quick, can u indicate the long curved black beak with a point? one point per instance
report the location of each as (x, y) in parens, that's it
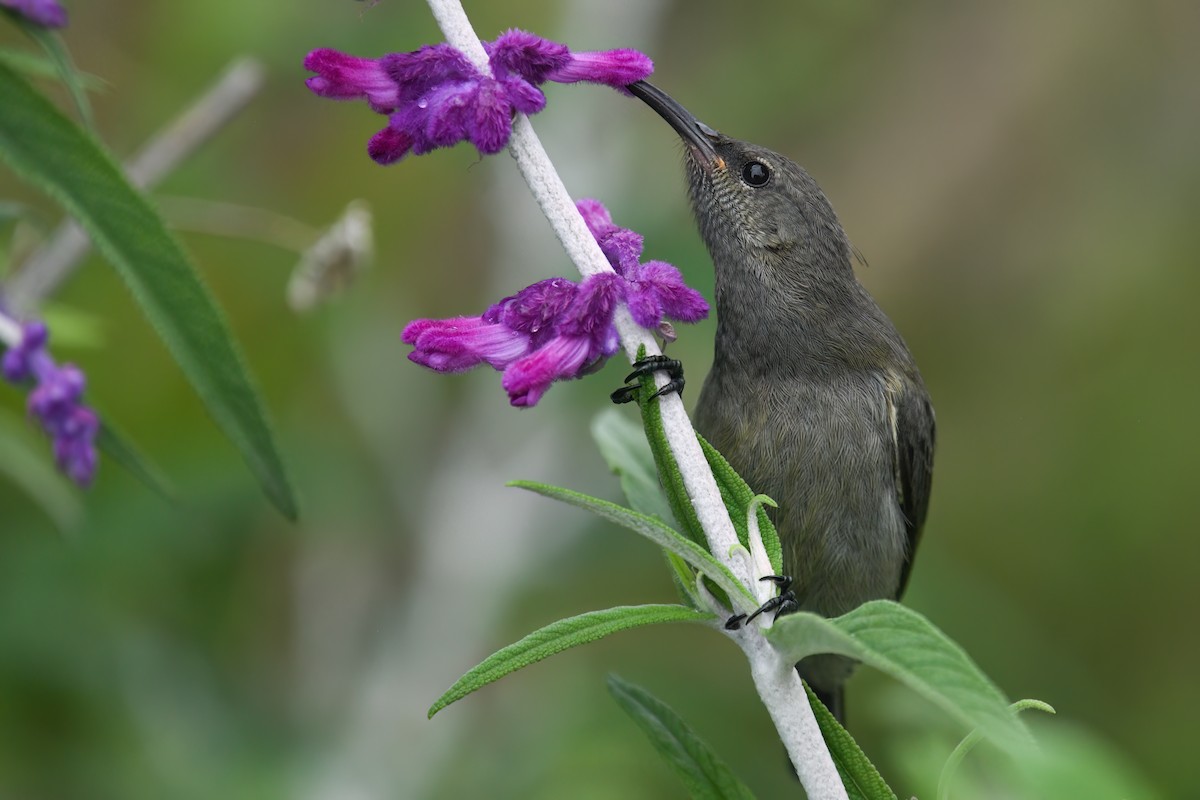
(698, 136)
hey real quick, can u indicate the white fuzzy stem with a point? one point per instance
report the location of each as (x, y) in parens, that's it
(777, 682)
(782, 693)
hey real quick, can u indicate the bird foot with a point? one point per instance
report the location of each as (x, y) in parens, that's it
(645, 366)
(783, 603)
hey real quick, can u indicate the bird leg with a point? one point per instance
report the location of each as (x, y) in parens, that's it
(783, 603)
(645, 366)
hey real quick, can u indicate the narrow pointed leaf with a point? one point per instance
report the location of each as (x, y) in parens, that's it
(61, 58)
(706, 776)
(664, 461)
(117, 447)
(859, 776)
(560, 636)
(38, 67)
(907, 646)
(54, 154)
(624, 447)
(684, 577)
(738, 498)
(735, 493)
(622, 443)
(656, 531)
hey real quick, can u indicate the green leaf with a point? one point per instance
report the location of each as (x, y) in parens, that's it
(624, 447)
(117, 447)
(38, 67)
(685, 579)
(656, 531)
(735, 493)
(968, 744)
(907, 646)
(738, 498)
(28, 465)
(664, 461)
(623, 444)
(706, 776)
(560, 636)
(52, 44)
(53, 153)
(861, 779)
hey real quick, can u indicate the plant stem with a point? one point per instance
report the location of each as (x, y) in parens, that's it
(776, 680)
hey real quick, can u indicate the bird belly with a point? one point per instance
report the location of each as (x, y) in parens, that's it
(823, 449)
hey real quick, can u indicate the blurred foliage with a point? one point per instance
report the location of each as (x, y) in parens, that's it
(1022, 179)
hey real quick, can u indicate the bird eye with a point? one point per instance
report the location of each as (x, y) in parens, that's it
(756, 174)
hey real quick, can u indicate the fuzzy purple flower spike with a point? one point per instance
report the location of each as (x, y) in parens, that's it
(55, 401)
(557, 329)
(47, 13)
(435, 97)
(654, 290)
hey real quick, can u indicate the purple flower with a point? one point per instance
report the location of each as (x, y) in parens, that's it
(556, 329)
(344, 77)
(56, 401)
(538, 60)
(458, 344)
(584, 339)
(435, 97)
(552, 330)
(47, 13)
(536, 309)
(655, 290)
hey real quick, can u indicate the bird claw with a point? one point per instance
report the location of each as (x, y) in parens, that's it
(783, 603)
(645, 366)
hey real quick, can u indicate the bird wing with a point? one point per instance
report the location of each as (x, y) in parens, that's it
(913, 438)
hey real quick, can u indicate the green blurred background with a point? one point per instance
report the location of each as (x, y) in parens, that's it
(1023, 180)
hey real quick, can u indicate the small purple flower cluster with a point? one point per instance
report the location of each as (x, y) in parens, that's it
(557, 329)
(654, 290)
(435, 97)
(47, 13)
(55, 401)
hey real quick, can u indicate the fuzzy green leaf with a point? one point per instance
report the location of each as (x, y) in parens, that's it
(54, 154)
(738, 498)
(560, 636)
(735, 493)
(685, 579)
(859, 776)
(664, 461)
(907, 646)
(624, 447)
(706, 776)
(656, 531)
